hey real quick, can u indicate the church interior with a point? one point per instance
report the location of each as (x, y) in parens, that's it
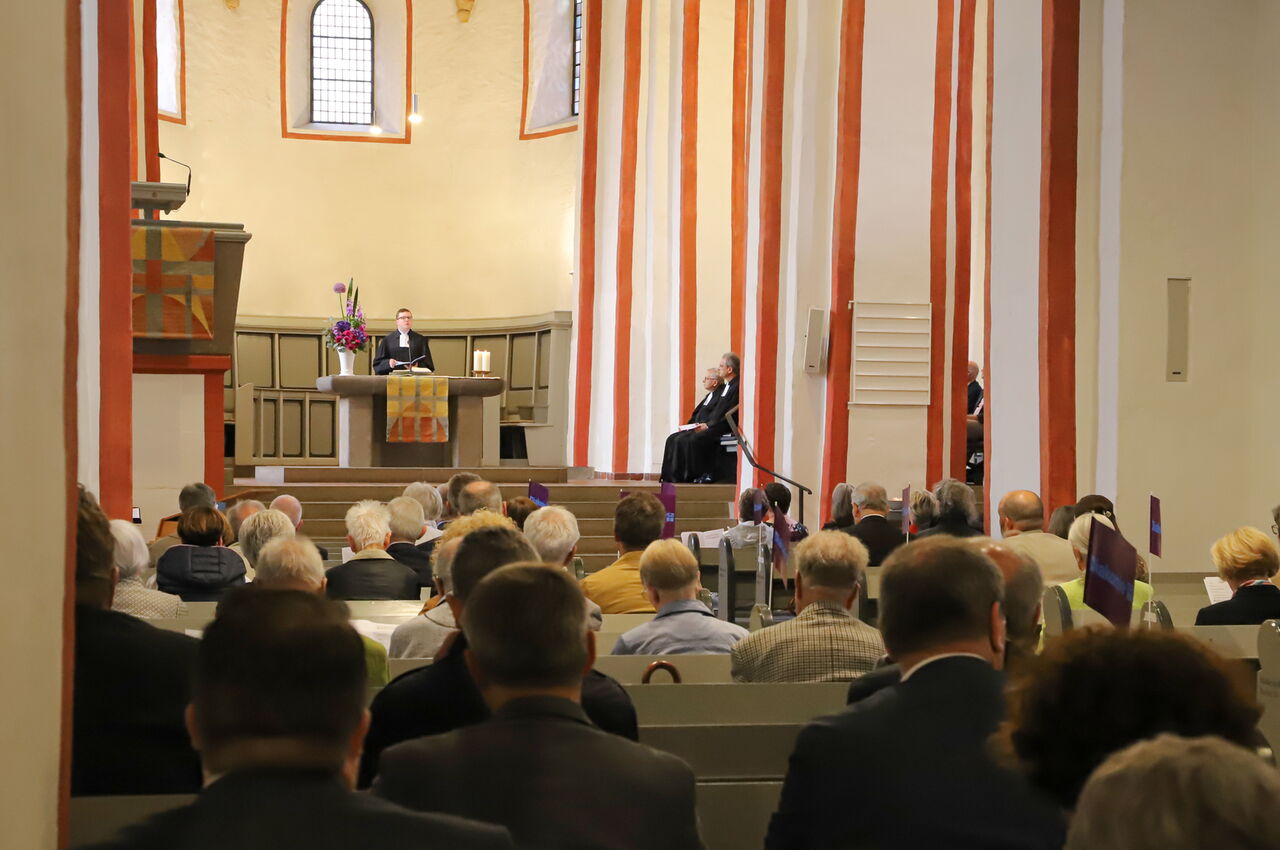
(866, 210)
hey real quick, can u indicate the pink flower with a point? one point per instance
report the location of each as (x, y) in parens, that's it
(339, 288)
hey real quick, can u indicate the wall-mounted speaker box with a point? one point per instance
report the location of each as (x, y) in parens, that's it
(1177, 354)
(815, 339)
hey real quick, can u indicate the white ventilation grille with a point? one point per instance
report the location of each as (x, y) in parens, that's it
(891, 353)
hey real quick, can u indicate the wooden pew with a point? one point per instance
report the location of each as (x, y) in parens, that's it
(1234, 642)
(624, 622)
(1269, 681)
(627, 669)
(733, 815)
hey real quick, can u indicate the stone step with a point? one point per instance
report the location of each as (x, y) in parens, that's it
(716, 512)
(405, 474)
(566, 494)
(602, 528)
(596, 552)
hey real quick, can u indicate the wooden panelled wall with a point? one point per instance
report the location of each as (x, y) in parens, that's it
(292, 421)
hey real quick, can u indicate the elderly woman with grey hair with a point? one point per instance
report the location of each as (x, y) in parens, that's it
(1173, 793)
(260, 529)
(841, 508)
(432, 508)
(957, 510)
(132, 563)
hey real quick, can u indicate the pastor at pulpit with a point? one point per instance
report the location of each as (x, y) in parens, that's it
(402, 346)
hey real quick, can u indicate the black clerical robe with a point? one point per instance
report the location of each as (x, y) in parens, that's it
(389, 349)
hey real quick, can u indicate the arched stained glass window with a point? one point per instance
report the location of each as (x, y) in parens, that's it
(341, 62)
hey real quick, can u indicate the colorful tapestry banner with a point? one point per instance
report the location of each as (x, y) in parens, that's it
(417, 409)
(172, 282)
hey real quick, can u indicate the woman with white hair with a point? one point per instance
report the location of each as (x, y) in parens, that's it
(841, 508)
(132, 565)
(957, 510)
(1078, 537)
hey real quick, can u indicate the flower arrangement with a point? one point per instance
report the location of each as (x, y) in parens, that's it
(347, 333)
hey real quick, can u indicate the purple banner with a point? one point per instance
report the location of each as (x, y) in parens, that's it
(906, 509)
(1157, 530)
(540, 494)
(667, 495)
(1109, 576)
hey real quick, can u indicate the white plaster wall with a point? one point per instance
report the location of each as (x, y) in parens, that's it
(808, 193)
(34, 244)
(466, 208)
(887, 443)
(1013, 372)
(1187, 192)
(168, 439)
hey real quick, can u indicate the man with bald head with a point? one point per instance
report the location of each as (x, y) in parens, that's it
(975, 388)
(292, 508)
(1022, 526)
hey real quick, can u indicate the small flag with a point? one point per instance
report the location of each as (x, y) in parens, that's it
(667, 495)
(540, 495)
(1157, 530)
(1109, 575)
(906, 509)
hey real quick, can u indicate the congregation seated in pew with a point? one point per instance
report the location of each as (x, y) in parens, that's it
(289, 505)
(200, 568)
(443, 696)
(869, 505)
(957, 511)
(191, 495)
(671, 580)
(372, 573)
(259, 530)
(825, 642)
(1021, 515)
(278, 716)
(432, 506)
(537, 765)
(637, 522)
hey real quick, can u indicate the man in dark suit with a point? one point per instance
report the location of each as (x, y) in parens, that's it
(704, 441)
(871, 523)
(372, 573)
(974, 389)
(675, 455)
(278, 716)
(131, 683)
(908, 766)
(402, 346)
(538, 766)
(443, 696)
(407, 525)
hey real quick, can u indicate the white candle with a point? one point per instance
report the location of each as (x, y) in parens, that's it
(477, 361)
(488, 360)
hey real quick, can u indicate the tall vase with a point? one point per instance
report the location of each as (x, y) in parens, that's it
(346, 362)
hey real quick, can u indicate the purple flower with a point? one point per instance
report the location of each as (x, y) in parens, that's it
(339, 288)
(342, 325)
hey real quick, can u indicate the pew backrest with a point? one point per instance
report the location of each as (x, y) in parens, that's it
(693, 669)
(737, 703)
(1269, 681)
(94, 820)
(1234, 642)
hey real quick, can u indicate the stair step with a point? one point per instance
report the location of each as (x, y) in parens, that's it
(406, 474)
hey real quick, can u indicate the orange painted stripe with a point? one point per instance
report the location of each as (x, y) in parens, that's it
(181, 117)
(214, 441)
(524, 95)
(70, 413)
(287, 132)
(689, 202)
(835, 455)
(986, 274)
(964, 240)
(766, 387)
(115, 415)
(741, 142)
(133, 97)
(938, 238)
(1060, 115)
(626, 232)
(592, 11)
(150, 94)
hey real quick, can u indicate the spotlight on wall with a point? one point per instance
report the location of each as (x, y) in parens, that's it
(375, 130)
(415, 117)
